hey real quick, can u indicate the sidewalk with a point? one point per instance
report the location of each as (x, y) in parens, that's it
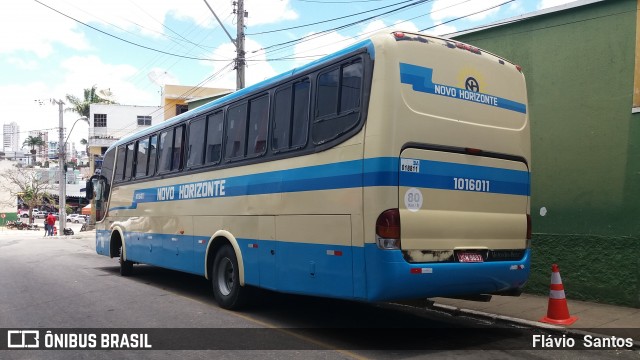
(527, 310)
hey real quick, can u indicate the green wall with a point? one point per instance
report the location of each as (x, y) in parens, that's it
(579, 67)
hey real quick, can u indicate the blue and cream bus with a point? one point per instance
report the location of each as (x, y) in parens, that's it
(397, 168)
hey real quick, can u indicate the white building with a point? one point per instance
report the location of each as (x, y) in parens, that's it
(10, 137)
(110, 122)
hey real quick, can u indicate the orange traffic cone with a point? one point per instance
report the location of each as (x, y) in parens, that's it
(558, 311)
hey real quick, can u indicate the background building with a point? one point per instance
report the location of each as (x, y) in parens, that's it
(10, 137)
(110, 122)
(580, 61)
(176, 98)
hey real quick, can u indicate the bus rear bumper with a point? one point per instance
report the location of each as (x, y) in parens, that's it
(390, 277)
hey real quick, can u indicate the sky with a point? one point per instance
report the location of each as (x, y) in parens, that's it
(51, 48)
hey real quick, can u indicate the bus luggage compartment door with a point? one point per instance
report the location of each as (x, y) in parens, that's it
(454, 203)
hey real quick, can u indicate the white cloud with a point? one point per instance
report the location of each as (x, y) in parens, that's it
(28, 26)
(23, 64)
(149, 16)
(442, 29)
(79, 72)
(84, 71)
(319, 45)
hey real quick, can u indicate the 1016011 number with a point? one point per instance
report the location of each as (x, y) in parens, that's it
(471, 184)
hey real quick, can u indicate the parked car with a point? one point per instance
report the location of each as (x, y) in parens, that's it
(76, 218)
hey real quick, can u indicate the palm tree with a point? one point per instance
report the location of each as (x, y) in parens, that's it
(86, 146)
(33, 141)
(91, 96)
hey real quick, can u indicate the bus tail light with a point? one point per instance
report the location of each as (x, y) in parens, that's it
(519, 68)
(388, 230)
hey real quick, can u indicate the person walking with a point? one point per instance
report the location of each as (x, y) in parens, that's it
(46, 227)
(51, 221)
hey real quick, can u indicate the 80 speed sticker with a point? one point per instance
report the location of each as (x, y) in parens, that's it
(413, 199)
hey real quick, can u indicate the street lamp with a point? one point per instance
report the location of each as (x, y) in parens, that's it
(63, 174)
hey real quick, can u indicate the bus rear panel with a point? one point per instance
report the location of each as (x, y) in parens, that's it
(454, 120)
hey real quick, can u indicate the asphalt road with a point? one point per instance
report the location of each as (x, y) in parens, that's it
(62, 283)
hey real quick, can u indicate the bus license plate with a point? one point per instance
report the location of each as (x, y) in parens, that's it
(469, 257)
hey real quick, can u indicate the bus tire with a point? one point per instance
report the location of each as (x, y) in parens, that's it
(226, 280)
(126, 266)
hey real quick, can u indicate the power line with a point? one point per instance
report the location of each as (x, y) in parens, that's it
(290, 43)
(329, 20)
(462, 17)
(124, 40)
(364, 34)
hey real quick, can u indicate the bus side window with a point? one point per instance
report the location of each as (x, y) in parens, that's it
(153, 146)
(291, 116)
(142, 158)
(282, 120)
(300, 118)
(196, 142)
(258, 125)
(338, 101)
(178, 148)
(165, 148)
(327, 103)
(236, 131)
(128, 169)
(214, 138)
(119, 175)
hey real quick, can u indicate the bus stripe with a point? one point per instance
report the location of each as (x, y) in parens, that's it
(343, 175)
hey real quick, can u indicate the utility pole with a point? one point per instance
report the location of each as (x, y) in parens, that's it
(238, 42)
(240, 62)
(62, 191)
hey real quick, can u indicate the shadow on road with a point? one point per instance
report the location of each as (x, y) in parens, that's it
(348, 324)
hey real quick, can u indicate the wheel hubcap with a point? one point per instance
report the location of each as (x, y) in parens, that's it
(225, 276)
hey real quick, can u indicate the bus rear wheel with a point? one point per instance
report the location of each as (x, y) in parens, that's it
(226, 280)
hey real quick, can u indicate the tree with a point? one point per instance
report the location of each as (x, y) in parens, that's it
(91, 96)
(86, 145)
(31, 185)
(33, 141)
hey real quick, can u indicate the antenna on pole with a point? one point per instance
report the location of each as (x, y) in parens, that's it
(238, 42)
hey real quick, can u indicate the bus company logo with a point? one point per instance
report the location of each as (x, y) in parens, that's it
(23, 339)
(472, 84)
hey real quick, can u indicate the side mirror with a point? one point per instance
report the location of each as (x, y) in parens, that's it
(89, 190)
